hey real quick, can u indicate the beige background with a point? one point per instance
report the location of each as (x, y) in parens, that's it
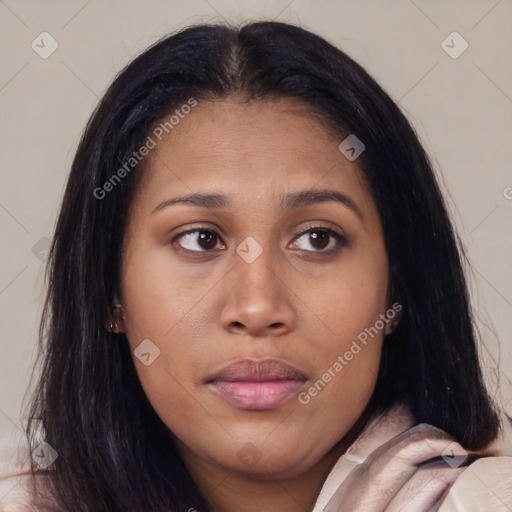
(462, 109)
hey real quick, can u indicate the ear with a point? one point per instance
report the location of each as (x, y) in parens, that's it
(393, 317)
(115, 318)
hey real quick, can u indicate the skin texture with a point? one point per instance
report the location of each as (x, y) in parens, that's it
(206, 309)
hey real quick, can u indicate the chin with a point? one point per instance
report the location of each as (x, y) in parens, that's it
(274, 461)
(273, 468)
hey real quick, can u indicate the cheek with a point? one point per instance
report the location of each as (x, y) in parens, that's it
(347, 301)
(346, 331)
(158, 295)
(175, 311)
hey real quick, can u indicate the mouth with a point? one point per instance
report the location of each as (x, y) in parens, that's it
(258, 384)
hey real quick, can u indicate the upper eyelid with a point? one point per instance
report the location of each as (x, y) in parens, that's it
(300, 232)
(319, 227)
(196, 229)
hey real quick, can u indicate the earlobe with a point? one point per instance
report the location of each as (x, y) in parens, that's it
(115, 320)
(392, 320)
(390, 327)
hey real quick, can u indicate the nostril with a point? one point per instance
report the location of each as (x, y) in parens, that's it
(238, 325)
(275, 325)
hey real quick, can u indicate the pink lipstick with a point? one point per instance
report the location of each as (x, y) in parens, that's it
(258, 384)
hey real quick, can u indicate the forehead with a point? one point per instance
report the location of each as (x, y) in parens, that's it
(250, 151)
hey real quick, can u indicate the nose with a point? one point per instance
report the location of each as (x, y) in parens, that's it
(257, 301)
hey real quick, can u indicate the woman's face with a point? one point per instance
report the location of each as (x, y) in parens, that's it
(253, 262)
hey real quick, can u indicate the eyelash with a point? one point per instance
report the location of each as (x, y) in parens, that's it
(341, 241)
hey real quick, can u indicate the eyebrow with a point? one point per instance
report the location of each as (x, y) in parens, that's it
(291, 201)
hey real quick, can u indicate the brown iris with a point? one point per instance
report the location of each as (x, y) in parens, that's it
(207, 240)
(319, 239)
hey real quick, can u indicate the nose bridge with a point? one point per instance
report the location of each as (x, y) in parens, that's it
(257, 280)
(258, 300)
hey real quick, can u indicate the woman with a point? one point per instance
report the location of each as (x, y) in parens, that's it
(256, 298)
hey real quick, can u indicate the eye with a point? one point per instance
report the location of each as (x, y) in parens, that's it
(198, 240)
(320, 240)
(316, 239)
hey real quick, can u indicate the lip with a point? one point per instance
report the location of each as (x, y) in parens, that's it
(258, 384)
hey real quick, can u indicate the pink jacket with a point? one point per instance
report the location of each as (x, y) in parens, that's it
(385, 469)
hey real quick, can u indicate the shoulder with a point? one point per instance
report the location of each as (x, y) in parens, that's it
(484, 485)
